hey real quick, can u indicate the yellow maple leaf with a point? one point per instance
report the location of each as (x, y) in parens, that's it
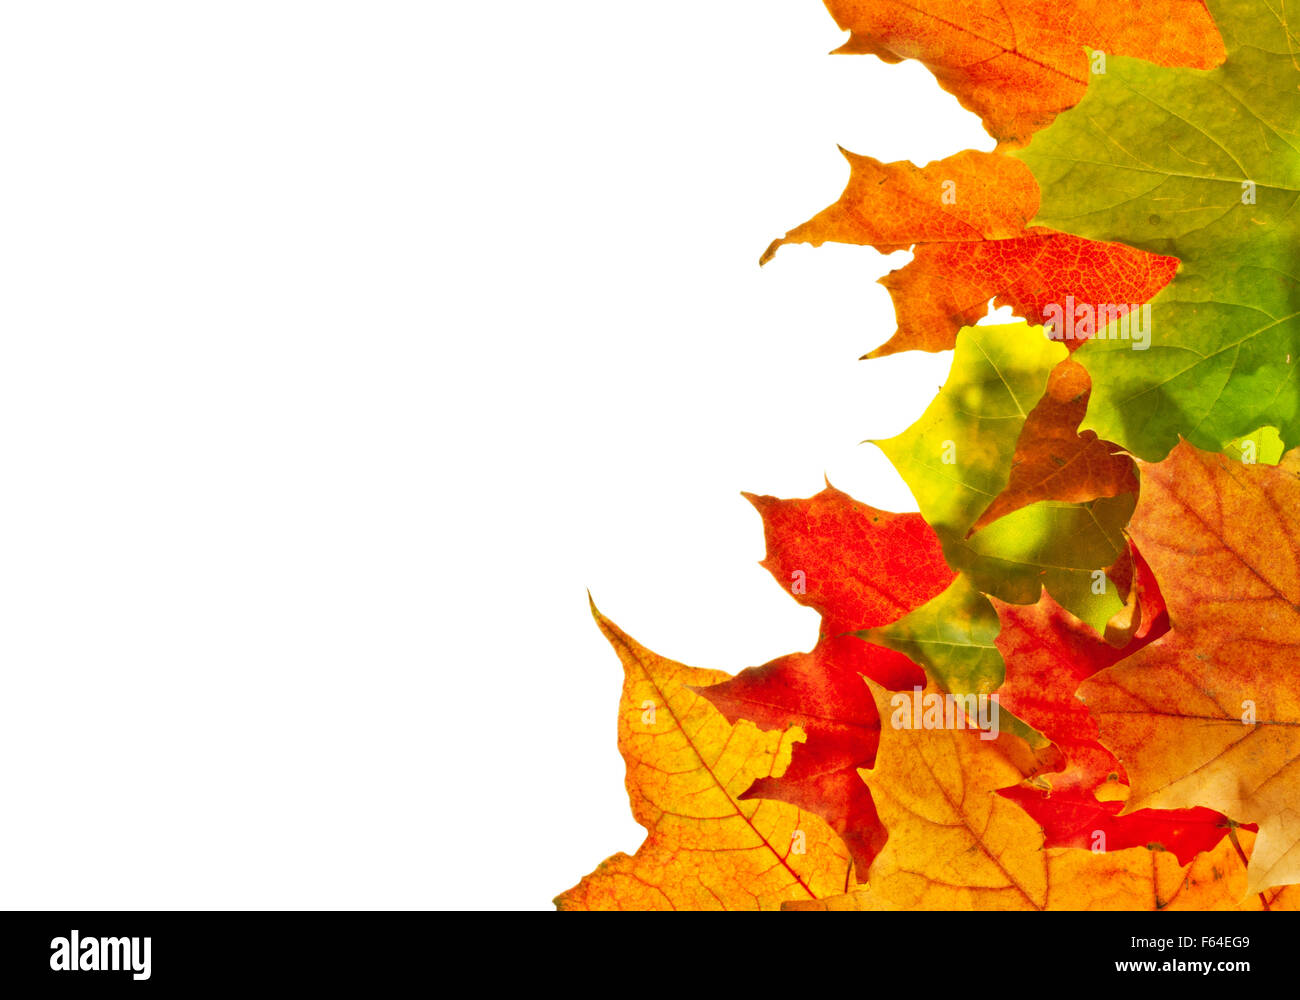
(956, 845)
(706, 849)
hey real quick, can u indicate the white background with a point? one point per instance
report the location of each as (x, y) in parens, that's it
(345, 345)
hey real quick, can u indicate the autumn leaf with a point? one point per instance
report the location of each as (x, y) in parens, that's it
(1144, 615)
(956, 845)
(952, 637)
(1142, 674)
(857, 567)
(706, 848)
(1017, 63)
(957, 459)
(1204, 166)
(1209, 714)
(853, 564)
(891, 206)
(1214, 880)
(1053, 461)
(966, 219)
(1048, 653)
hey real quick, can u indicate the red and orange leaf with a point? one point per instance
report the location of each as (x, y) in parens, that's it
(799, 784)
(857, 567)
(955, 844)
(967, 218)
(948, 286)
(891, 206)
(1053, 461)
(1048, 653)
(1209, 713)
(1019, 63)
(1144, 615)
(705, 848)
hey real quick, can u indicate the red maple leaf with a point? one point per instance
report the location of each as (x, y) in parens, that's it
(858, 567)
(1048, 653)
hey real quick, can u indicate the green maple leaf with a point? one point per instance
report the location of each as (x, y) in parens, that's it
(957, 457)
(1203, 165)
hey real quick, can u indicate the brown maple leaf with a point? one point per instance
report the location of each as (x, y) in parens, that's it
(1053, 460)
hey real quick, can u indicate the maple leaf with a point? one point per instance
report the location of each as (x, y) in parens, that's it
(965, 217)
(952, 637)
(1144, 612)
(1209, 714)
(957, 460)
(705, 848)
(857, 567)
(770, 789)
(1053, 461)
(1204, 166)
(1048, 652)
(1017, 63)
(956, 845)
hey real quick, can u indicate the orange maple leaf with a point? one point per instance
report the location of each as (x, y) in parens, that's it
(967, 219)
(1019, 63)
